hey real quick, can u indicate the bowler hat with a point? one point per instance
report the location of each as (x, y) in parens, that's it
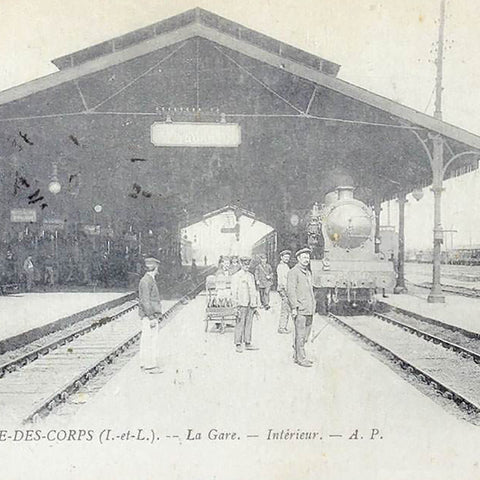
(303, 250)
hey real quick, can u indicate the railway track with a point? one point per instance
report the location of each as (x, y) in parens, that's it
(32, 353)
(35, 382)
(440, 356)
(454, 289)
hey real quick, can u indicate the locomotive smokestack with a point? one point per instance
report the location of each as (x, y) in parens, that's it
(345, 193)
(330, 198)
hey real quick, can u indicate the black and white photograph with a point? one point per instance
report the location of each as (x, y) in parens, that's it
(239, 240)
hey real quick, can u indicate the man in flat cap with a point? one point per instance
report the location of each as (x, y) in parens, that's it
(234, 265)
(282, 272)
(149, 309)
(264, 281)
(244, 296)
(302, 302)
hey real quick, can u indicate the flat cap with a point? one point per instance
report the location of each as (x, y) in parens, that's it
(285, 252)
(245, 259)
(303, 250)
(151, 262)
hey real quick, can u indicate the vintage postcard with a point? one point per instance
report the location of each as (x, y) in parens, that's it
(239, 240)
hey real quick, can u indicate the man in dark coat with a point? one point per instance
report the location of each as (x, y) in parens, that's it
(282, 274)
(149, 309)
(264, 281)
(302, 302)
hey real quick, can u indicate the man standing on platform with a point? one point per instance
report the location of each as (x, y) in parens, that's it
(149, 309)
(29, 270)
(264, 281)
(302, 302)
(194, 272)
(282, 272)
(244, 296)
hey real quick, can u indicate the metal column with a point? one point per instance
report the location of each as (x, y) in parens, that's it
(400, 286)
(436, 295)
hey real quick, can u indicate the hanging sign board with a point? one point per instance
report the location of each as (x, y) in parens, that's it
(52, 224)
(91, 229)
(23, 215)
(190, 134)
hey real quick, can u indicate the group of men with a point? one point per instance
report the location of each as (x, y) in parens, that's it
(297, 299)
(249, 291)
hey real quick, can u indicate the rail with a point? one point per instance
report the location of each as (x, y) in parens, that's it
(61, 394)
(462, 401)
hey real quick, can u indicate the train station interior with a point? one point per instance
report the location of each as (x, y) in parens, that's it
(84, 178)
(195, 138)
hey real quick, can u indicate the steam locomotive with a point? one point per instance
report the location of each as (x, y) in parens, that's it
(350, 271)
(345, 268)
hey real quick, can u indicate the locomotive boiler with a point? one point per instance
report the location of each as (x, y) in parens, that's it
(350, 270)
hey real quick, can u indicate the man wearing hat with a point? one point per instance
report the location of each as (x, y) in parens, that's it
(264, 281)
(282, 272)
(234, 265)
(244, 296)
(302, 302)
(149, 309)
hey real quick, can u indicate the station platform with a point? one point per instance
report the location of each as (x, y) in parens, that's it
(25, 312)
(369, 422)
(457, 310)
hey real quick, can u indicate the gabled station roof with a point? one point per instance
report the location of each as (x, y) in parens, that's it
(197, 16)
(201, 23)
(302, 127)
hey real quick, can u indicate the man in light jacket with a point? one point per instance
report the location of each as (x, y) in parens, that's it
(29, 270)
(244, 296)
(302, 302)
(150, 310)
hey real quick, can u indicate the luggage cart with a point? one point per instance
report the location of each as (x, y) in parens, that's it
(220, 308)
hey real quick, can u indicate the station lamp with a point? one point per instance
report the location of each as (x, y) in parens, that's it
(54, 186)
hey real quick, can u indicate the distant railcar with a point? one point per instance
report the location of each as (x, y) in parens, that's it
(267, 245)
(463, 256)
